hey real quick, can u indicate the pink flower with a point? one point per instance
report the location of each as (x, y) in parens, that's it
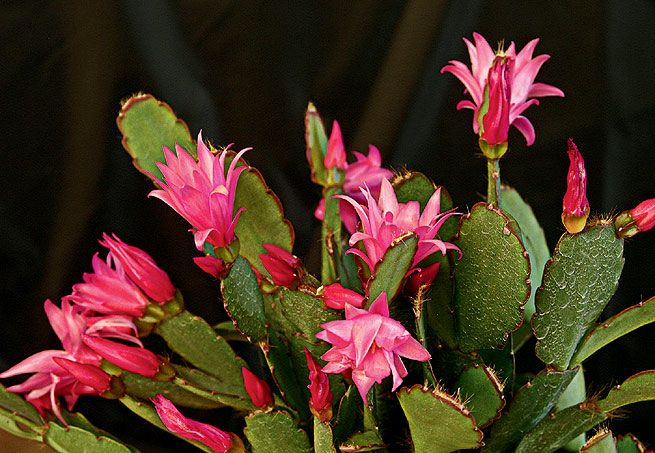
(575, 207)
(385, 219)
(521, 75)
(257, 389)
(495, 123)
(282, 265)
(336, 297)
(371, 344)
(141, 269)
(89, 375)
(175, 422)
(202, 192)
(644, 215)
(210, 264)
(130, 358)
(320, 402)
(109, 290)
(335, 157)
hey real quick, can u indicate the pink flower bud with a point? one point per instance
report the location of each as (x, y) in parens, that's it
(320, 402)
(210, 264)
(175, 422)
(141, 269)
(282, 265)
(495, 122)
(130, 358)
(422, 277)
(644, 215)
(90, 375)
(257, 389)
(336, 297)
(575, 208)
(335, 157)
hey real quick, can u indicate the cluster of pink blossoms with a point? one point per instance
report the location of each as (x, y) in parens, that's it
(99, 310)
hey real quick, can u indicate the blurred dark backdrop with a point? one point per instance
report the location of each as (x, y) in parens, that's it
(243, 71)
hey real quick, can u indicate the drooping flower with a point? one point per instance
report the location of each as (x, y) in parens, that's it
(522, 88)
(130, 358)
(384, 220)
(141, 269)
(320, 402)
(202, 192)
(575, 207)
(371, 344)
(257, 389)
(175, 422)
(283, 266)
(335, 296)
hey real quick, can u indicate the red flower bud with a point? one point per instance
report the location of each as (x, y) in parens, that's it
(130, 358)
(89, 375)
(320, 402)
(336, 297)
(257, 389)
(422, 277)
(644, 215)
(575, 207)
(335, 157)
(495, 121)
(282, 265)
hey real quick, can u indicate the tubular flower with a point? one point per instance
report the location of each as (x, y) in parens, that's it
(495, 122)
(141, 269)
(385, 219)
(89, 375)
(257, 389)
(175, 422)
(202, 192)
(336, 297)
(637, 220)
(130, 358)
(320, 402)
(521, 71)
(575, 207)
(371, 344)
(283, 266)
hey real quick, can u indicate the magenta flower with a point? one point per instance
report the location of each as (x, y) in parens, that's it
(521, 70)
(422, 277)
(384, 220)
(320, 402)
(210, 264)
(644, 215)
(282, 265)
(335, 157)
(89, 375)
(575, 207)
(175, 422)
(371, 344)
(130, 358)
(141, 269)
(336, 297)
(257, 389)
(495, 123)
(202, 192)
(109, 290)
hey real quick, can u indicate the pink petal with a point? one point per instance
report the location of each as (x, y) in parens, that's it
(525, 127)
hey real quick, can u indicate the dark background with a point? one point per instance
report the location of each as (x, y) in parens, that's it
(244, 72)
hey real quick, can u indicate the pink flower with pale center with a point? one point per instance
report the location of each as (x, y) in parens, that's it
(141, 269)
(175, 422)
(383, 220)
(371, 344)
(202, 192)
(522, 87)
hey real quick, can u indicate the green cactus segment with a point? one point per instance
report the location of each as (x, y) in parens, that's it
(323, 442)
(638, 387)
(15, 404)
(143, 388)
(483, 392)
(455, 430)
(74, 439)
(574, 394)
(348, 415)
(559, 429)
(364, 441)
(615, 327)
(331, 252)
(491, 279)
(217, 389)
(316, 142)
(629, 444)
(305, 313)
(530, 405)
(390, 271)
(603, 442)
(534, 240)
(262, 222)
(578, 282)
(148, 124)
(243, 301)
(275, 431)
(148, 413)
(438, 303)
(196, 342)
(415, 186)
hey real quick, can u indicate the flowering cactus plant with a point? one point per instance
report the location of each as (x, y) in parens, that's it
(404, 340)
